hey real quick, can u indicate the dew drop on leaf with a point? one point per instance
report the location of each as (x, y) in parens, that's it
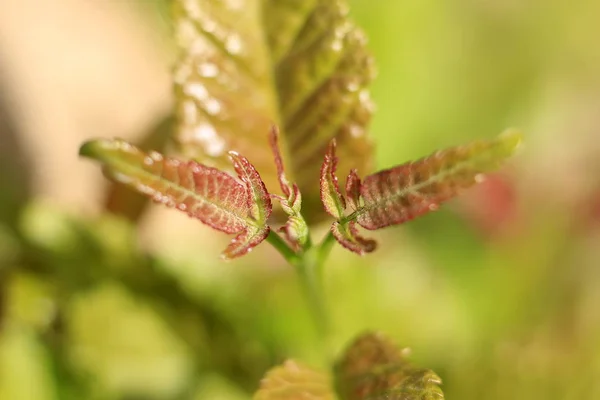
(234, 44)
(208, 70)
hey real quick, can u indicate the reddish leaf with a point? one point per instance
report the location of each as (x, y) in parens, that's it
(243, 243)
(274, 142)
(353, 185)
(208, 194)
(259, 201)
(295, 228)
(347, 235)
(374, 368)
(332, 199)
(404, 192)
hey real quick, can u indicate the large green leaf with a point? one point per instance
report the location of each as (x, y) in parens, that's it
(374, 368)
(248, 64)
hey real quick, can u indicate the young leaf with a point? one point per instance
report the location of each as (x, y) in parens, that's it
(374, 368)
(247, 64)
(344, 231)
(208, 194)
(243, 243)
(353, 186)
(347, 235)
(120, 199)
(404, 192)
(332, 199)
(259, 201)
(284, 184)
(295, 228)
(293, 381)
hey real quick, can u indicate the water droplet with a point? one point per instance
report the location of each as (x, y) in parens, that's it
(192, 8)
(182, 206)
(233, 44)
(433, 207)
(148, 161)
(365, 100)
(356, 130)
(156, 156)
(182, 73)
(213, 145)
(235, 4)
(196, 90)
(337, 45)
(198, 47)
(353, 86)
(124, 146)
(208, 70)
(212, 106)
(190, 113)
(186, 31)
(204, 132)
(209, 25)
(216, 147)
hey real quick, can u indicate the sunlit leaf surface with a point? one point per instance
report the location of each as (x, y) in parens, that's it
(246, 64)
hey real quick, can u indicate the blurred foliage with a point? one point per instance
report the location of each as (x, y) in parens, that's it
(505, 312)
(302, 65)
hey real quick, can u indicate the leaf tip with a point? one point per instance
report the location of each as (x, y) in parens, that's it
(511, 139)
(91, 148)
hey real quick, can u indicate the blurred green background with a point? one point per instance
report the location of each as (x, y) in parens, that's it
(497, 292)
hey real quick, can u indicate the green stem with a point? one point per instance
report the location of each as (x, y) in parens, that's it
(310, 272)
(325, 247)
(283, 248)
(309, 267)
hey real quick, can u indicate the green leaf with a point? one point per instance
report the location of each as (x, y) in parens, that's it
(206, 193)
(248, 64)
(374, 368)
(293, 381)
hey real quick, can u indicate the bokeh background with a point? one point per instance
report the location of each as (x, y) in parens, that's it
(497, 292)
